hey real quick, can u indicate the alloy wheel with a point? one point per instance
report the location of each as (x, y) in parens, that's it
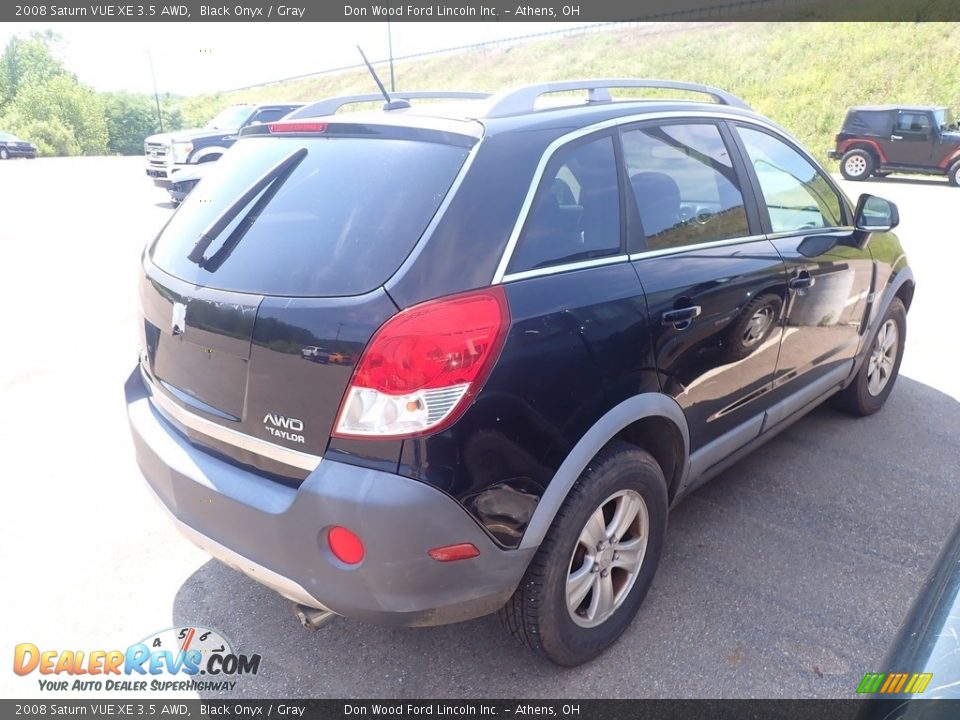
(607, 558)
(758, 326)
(883, 357)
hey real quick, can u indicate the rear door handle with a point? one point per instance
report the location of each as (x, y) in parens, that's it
(681, 317)
(896, 137)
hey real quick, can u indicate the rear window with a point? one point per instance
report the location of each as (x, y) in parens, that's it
(340, 223)
(869, 122)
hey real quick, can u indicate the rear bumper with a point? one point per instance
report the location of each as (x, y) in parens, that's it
(833, 154)
(21, 153)
(277, 534)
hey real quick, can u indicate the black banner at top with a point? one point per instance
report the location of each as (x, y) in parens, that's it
(469, 709)
(479, 10)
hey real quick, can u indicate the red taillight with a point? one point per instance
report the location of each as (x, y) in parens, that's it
(297, 127)
(346, 546)
(450, 553)
(423, 365)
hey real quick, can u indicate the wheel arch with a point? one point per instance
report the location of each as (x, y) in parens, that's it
(950, 161)
(905, 292)
(901, 286)
(651, 421)
(206, 154)
(870, 146)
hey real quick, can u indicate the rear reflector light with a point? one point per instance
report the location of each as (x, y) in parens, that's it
(449, 553)
(297, 127)
(345, 545)
(423, 366)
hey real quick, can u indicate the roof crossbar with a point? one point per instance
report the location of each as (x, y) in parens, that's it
(523, 99)
(329, 106)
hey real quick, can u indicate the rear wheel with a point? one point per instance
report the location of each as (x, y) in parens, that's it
(753, 326)
(874, 382)
(857, 165)
(953, 174)
(4, 153)
(596, 564)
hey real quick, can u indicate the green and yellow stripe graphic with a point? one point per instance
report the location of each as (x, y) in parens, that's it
(894, 683)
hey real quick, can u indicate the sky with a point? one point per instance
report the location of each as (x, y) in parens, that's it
(192, 58)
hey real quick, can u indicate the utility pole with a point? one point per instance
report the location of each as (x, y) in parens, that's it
(393, 85)
(156, 97)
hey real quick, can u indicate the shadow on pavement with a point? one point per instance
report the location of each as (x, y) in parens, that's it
(938, 180)
(786, 576)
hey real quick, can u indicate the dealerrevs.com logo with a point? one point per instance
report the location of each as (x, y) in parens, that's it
(189, 658)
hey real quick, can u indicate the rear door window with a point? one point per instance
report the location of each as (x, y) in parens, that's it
(340, 223)
(684, 184)
(576, 212)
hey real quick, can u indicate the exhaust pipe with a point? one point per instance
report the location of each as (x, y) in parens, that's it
(312, 618)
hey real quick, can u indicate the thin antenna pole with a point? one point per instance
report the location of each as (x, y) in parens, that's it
(376, 79)
(393, 84)
(156, 96)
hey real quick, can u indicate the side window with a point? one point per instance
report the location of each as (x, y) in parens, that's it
(685, 185)
(267, 115)
(913, 122)
(576, 212)
(797, 195)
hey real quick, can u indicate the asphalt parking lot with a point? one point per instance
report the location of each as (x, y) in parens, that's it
(785, 577)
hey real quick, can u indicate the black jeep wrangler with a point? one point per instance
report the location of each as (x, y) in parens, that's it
(879, 140)
(168, 153)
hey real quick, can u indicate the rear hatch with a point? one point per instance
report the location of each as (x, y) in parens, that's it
(260, 293)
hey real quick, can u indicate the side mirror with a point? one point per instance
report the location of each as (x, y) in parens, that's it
(875, 215)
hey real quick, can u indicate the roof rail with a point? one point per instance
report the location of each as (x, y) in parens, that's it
(329, 106)
(522, 99)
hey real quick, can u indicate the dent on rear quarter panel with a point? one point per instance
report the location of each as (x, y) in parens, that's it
(566, 355)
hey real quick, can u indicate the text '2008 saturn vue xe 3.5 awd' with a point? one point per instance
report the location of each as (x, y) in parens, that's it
(542, 327)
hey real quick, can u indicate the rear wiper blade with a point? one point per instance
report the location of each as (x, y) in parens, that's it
(213, 263)
(227, 216)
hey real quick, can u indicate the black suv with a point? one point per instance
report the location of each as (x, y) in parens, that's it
(880, 140)
(169, 153)
(545, 327)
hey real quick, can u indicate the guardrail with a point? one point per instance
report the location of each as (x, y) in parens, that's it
(653, 24)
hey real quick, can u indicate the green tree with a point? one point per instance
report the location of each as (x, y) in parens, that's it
(52, 136)
(28, 61)
(130, 118)
(60, 102)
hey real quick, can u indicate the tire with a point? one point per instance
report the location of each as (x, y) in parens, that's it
(953, 174)
(875, 380)
(752, 327)
(620, 477)
(857, 165)
(4, 154)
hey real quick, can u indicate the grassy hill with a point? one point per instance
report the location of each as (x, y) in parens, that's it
(803, 75)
